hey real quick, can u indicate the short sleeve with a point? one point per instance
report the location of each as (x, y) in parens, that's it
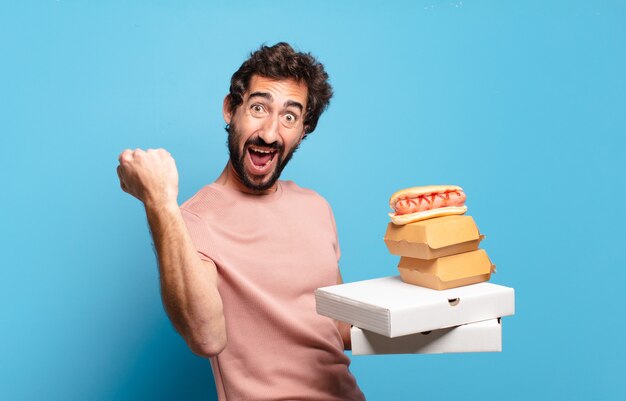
(334, 228)
(199, 235)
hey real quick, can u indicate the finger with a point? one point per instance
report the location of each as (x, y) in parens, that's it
(126, 155)
(120, 173)
(121, 177)
(139, 154)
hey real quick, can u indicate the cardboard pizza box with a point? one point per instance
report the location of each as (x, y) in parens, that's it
(391, 307)
(483, 336)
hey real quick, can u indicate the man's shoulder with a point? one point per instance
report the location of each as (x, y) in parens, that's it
(291, 188)
(199, 201)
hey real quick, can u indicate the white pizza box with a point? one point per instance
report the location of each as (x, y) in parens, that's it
(393, 308)
(474, 337)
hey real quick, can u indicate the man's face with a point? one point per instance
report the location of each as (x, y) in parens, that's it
(265, 130)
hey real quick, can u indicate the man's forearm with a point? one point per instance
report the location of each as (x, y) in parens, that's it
(188, 285)
(344, 330)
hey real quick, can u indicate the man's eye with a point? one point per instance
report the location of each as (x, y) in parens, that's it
(257, 108)
(290, 118)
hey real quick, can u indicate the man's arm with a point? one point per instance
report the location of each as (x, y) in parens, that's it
(344, 328)
(188, 285)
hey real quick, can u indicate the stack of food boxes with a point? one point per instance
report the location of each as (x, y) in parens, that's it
(439, 304)
(439, 253)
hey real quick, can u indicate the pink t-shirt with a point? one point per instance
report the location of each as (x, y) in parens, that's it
(272, 252)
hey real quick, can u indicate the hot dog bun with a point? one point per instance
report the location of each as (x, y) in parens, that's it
(426, 202)
(428, 214)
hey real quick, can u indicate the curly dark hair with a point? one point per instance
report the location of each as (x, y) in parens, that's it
(282, 62)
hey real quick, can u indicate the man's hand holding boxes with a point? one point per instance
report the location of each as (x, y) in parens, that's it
(441, 303)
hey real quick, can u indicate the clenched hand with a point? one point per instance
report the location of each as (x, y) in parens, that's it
(150, 176)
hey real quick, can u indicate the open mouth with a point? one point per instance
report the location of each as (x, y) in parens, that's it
(260, 157)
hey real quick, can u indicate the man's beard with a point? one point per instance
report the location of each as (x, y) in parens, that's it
(237, 158)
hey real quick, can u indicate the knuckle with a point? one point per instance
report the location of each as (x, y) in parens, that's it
(125, 155)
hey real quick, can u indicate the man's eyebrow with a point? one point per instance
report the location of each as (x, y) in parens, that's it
(264, 95)
(269, 97)
(293, 103)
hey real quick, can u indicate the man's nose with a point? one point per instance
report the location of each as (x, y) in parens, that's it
(269, 132)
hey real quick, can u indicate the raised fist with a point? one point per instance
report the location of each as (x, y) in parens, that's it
(150, 176)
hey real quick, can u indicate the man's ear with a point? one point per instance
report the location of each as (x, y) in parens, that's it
(304, 133)
(228, 115)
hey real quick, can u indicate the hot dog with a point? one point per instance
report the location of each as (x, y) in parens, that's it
(421, 203)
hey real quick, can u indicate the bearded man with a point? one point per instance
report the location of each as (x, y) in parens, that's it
(239, 261)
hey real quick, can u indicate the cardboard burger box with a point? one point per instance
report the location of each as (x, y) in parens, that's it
(392, 308)
(448, 271)
(433, 238)
(483, 336)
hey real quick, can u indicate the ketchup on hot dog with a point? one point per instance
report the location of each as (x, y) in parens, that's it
(429, 202)
(420, 203)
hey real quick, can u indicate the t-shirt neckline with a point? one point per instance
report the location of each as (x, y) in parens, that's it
(243, 195)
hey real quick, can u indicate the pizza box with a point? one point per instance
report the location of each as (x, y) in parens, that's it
(433, 238)
(393, 308)
(474, 337)
(448, 271)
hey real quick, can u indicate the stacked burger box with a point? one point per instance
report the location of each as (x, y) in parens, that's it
(441, 303)
(439, 253)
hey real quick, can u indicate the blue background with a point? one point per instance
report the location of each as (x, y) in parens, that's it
(523, 103)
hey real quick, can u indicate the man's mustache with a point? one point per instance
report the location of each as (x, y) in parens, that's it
(261, 143)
